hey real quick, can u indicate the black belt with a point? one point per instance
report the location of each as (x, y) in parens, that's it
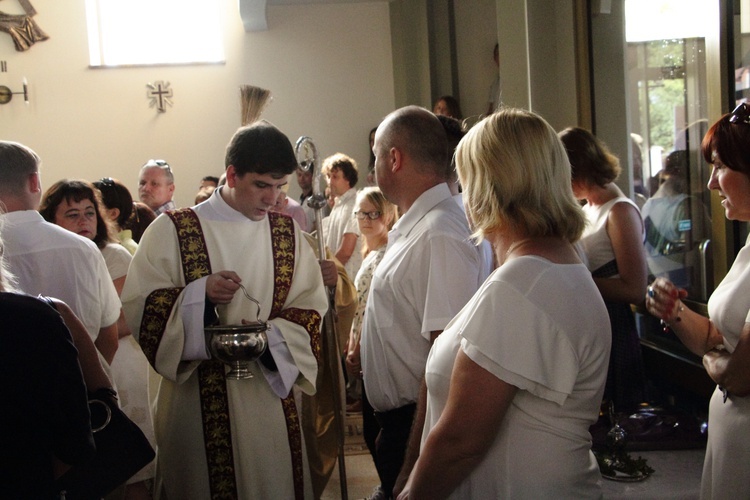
(397, 415)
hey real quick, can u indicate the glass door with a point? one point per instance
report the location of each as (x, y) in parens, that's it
(670, 109)
(669, 116)
(741, 49)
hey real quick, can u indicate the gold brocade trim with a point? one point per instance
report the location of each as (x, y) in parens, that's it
(282, 242)
(294, 433)
(156, 312)
(217, 434)
(310, 321)
(193, 251)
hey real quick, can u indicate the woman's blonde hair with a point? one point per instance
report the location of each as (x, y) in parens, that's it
(388, 211)
(515, 176)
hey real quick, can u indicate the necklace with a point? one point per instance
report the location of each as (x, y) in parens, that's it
(513, 246)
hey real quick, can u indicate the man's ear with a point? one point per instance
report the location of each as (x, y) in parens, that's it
(397, 158)
(34, 183)
(231, 176)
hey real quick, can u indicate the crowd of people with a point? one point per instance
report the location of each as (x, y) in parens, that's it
(483, 282)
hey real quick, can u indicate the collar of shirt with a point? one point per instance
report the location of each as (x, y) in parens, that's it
(351, 193)
(421, 206)
(20, 217)
(170, 205)
(219, 209)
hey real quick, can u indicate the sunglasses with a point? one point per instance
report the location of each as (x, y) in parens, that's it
(359, 214)
(741, 114)
(159, 163)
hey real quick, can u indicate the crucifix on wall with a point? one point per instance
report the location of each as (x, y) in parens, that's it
(159, 94)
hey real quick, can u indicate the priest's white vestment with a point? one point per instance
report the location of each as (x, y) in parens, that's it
(220, 438)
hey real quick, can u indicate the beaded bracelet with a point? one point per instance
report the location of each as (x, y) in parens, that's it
(666, 326)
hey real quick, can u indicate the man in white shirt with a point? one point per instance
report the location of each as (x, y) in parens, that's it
(431, 268)
(340, 229)
(156, 186)
(49, 260)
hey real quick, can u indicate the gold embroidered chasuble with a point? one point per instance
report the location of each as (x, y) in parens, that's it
(201, 386)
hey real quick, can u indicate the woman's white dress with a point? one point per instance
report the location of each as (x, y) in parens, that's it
(626, 379)
(130, 366)
(726, 470)
(543, 328)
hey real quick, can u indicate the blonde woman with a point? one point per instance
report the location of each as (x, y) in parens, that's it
(516, 378)
(375, 216)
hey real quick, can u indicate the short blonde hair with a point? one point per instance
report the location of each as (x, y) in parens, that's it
(388, 211)
(515, 175)
(374, 195)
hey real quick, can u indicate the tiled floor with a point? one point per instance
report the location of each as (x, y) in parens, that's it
(676, 474)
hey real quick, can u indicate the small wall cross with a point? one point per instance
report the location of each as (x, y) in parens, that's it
(159, 94)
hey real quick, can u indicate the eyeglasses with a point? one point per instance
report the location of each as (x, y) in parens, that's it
(741, 114)
(359, 214)
(106, 181)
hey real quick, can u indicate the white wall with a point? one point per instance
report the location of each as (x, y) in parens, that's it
(328, 67)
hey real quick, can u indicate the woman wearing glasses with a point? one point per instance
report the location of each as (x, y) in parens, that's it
(724, 339)
(375, 216)
(76, 206)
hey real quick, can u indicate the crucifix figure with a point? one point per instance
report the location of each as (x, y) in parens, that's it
(159, 93)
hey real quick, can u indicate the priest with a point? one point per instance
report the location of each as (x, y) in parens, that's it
(219, 437)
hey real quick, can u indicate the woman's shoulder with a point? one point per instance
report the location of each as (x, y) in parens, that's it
(116, 251)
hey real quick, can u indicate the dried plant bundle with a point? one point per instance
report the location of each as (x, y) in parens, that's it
(254, 99)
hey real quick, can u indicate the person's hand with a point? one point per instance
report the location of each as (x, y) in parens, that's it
(663, 299)
(221, 286)
(353, 362)
(402, 487)
(330, 272)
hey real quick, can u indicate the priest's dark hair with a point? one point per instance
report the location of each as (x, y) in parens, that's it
(260, 148)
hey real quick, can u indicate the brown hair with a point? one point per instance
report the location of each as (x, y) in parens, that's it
(731, 143)
(139, 220)
(590, 160)
(343, 163)
(77, 190)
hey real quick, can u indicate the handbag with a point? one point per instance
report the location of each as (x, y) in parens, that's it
(121, 450)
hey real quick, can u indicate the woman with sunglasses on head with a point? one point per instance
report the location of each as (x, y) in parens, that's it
(375, 216)
(118, 204)
(724, 339)
(76, 206)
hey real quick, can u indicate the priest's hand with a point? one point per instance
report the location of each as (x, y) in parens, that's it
(221, 286)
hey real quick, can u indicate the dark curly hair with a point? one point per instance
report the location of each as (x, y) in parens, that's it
(77, 190)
